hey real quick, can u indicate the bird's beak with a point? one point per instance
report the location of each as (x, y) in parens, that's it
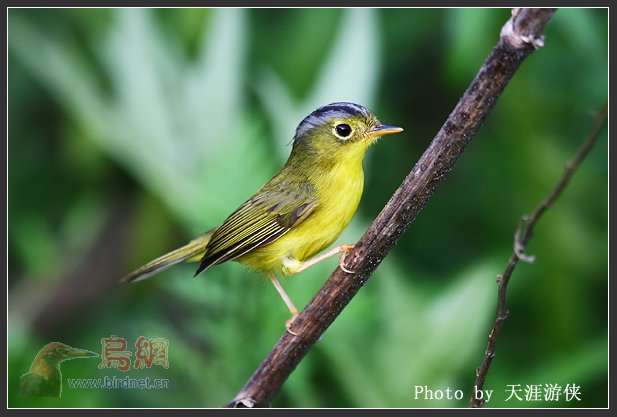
(80, 353)
(380, 130)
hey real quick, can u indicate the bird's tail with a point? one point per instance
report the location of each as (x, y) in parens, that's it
(191, 252)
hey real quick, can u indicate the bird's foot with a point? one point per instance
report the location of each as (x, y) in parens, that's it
(289, 322)
(341, 260)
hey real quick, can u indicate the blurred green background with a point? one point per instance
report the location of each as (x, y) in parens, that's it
(133, 130)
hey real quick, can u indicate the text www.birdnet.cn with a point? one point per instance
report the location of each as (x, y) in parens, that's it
(118, 383)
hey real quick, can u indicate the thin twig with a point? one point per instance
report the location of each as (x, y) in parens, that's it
(516, 42)
(523, 235)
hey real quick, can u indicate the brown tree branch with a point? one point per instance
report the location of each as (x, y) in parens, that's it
(516, 42)
(523, 234)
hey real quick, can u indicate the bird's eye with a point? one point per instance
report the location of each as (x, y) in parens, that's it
(343, 130)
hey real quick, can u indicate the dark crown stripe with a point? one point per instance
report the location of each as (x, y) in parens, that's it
(349, 108)
(327, 112)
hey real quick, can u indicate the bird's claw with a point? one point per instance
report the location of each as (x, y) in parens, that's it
(341, 259)
(289, 322)
(344, 268)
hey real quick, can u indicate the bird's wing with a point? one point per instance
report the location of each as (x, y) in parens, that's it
(261, 220)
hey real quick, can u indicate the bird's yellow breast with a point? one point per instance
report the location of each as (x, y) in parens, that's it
(338, 190)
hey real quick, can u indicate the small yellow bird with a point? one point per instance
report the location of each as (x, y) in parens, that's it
(298, 213)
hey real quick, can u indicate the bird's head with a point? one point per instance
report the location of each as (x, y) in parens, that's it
(339, 130)
(56, 352)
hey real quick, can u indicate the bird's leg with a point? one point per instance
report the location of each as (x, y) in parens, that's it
(290, 305)
(293, 266)
(343, 249)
